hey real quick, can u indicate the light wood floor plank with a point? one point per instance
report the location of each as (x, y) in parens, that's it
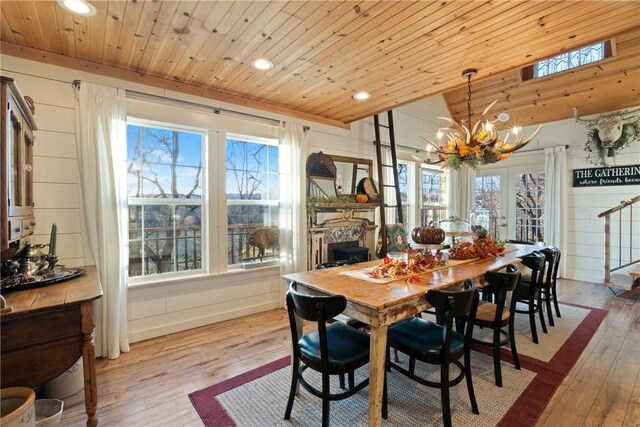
(632, 416)
(610, 406)
(149, 385)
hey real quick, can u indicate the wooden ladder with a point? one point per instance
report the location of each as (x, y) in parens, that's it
(381, 174)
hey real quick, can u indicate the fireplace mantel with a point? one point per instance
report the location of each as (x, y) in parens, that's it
(337, 224)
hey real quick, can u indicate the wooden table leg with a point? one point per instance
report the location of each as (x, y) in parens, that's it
(378, 348)
(89, 364)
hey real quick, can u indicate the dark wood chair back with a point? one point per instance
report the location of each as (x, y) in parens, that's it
(501, 283)
(315, 308)
(552, 257)
(460, 303)
(535, 261)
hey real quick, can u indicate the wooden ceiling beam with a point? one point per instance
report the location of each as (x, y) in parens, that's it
(104, 70)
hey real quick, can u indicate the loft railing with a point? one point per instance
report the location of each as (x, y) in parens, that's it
(626, 206)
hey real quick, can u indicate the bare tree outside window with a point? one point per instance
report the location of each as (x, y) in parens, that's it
(530, 207)
(252, 200)
(165, 199)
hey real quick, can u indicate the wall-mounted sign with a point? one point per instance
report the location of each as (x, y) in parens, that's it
(602, 177)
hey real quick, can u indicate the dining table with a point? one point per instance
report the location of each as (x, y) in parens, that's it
(382, 304)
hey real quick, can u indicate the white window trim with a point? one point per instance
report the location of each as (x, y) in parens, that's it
(152, 112)
(204, 220)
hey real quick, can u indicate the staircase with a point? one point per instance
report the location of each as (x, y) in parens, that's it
(383, 148)
(628, 278)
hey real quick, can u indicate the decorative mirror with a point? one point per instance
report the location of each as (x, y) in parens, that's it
(330, 176)
(349, 172)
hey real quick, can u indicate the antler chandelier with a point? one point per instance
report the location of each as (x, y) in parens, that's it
(479, 145)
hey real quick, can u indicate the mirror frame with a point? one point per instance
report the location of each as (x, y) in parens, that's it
(355, 161)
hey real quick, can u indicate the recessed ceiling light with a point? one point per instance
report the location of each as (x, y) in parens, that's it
(80, 7)
(361, 96)
(261, 64)
(503, 117)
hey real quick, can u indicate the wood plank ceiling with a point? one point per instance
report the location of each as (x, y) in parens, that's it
(323, 51)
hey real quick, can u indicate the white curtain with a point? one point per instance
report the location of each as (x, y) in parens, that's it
(293, 206)
(101, 145)
(461, 191)
(555, 201)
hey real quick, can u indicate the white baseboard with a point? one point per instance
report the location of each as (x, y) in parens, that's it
(160, 330)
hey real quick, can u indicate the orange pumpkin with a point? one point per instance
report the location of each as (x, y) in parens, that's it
(362, 198)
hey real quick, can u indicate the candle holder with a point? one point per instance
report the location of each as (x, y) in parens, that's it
(53, 260)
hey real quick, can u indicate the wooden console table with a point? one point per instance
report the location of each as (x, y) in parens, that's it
(47, 330)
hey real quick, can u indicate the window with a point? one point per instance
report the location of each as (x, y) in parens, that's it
(530, 206)
(165, 197)
(433, 195)
(488, 196)
(252, 199)
(403, 185)
(575, 58)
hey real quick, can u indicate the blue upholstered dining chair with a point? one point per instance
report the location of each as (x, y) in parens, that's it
(334, 349)
(435, 344)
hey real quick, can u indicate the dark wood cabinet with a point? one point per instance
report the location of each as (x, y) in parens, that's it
(17, 139)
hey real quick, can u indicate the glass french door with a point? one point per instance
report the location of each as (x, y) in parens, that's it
(515, 199)
(490, 195)
(528, 189)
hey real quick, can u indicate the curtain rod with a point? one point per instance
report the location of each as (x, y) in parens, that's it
(539, 149)
(216, 110)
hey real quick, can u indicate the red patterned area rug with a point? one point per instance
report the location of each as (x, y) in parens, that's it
(258, 397)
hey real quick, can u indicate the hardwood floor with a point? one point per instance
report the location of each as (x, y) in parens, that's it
(149, 385)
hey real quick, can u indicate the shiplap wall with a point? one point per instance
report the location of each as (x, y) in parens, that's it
(162, 308)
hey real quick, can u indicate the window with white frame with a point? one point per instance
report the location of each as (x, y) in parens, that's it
(166, 198)
(252, 199)
(433, 191)
(530, 206)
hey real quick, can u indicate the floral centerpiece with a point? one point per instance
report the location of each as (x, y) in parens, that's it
(417, 262)
(481, 247)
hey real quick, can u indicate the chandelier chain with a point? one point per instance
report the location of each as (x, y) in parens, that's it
(469, 99)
